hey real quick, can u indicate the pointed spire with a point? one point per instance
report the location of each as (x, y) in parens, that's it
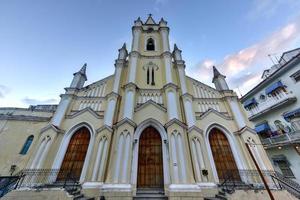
(124, 46)
(216, 72)
(177, 53)
(123, 52)
(175, 47)
(150, 20)
(162, 22)
(79, 77)
(138, 22)
(83, 69)
(219, 80)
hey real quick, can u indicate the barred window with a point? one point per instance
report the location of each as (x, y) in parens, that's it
(285, 168)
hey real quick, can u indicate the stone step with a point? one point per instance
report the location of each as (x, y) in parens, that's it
(221, 196)
(150, 198)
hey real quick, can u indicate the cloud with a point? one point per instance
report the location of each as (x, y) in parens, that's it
(269, 8)
(32, 101)
(4, 90)
(243, 68)
(158, 4)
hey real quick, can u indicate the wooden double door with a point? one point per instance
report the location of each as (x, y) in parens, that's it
(223, 157)
(150, 162)
(75, 156)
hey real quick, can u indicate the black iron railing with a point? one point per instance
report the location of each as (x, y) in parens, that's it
(8, 183)
(250, 179)
(287, 184)
(43, 178)
(243, 179)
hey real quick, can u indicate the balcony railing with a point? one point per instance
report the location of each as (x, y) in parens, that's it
(273, 101)
(291, 137)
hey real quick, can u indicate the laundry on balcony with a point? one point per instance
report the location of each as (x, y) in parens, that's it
(250, 102)
(274, 87)
(295, 113)
(262, 128)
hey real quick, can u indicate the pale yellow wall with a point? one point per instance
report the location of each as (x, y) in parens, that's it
(12, 138)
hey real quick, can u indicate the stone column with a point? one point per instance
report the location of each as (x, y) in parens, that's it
(110, 110)
(186, 98)
(130, 88)
(136, 33)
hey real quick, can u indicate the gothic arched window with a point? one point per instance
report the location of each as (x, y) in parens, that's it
(150, 45)
(26, 145)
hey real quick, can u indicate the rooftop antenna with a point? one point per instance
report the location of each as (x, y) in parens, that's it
(240, 93)
(270, 56)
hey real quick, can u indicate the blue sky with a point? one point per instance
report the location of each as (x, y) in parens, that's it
(43, 42)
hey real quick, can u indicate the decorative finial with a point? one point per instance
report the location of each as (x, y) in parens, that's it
(175, 47)
(150, 15)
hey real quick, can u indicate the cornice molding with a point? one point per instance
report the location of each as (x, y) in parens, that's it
(176, 121)
(187, 96)
(170, 85)
(125, 121)
(197, 129)
(105, 127)
(244, 129)
(112, 95)
(150, 102)
(54, 128)
(211, 110)
(130, 85)
(24, 118)
(87, 109)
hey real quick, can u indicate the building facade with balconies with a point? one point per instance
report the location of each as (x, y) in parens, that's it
(274, 107)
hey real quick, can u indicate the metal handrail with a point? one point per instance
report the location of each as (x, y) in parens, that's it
(295, 191)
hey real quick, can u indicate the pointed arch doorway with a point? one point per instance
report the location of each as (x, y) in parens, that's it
(74, 158)
(150, 160)
(223, 156)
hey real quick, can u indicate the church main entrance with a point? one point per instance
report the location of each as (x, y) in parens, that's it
(223, 157)
(150, 162)
(75, 155)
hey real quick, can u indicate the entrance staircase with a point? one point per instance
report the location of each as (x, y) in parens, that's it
(150, 194)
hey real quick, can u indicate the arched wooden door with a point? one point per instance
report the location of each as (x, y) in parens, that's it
(223, 157)
(150, 162)
(75, 155)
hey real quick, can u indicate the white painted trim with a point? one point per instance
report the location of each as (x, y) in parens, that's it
(126, 159)
(184, 188)
(64, 146)
(44, 153)
(119, 155)
(164, 138)
(38, 154)
(98, 159)
(233, 147)
(180, 153)
(174, 159)
(91, 185)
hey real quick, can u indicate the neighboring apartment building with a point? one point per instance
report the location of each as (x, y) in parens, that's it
(274, 108)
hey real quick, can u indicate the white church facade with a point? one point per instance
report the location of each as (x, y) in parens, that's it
(147, 126)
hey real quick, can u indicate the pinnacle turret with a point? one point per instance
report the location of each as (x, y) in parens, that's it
(219, 80)
(79, 78)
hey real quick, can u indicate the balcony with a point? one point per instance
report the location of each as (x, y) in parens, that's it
(276, 100)
(287, 138)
